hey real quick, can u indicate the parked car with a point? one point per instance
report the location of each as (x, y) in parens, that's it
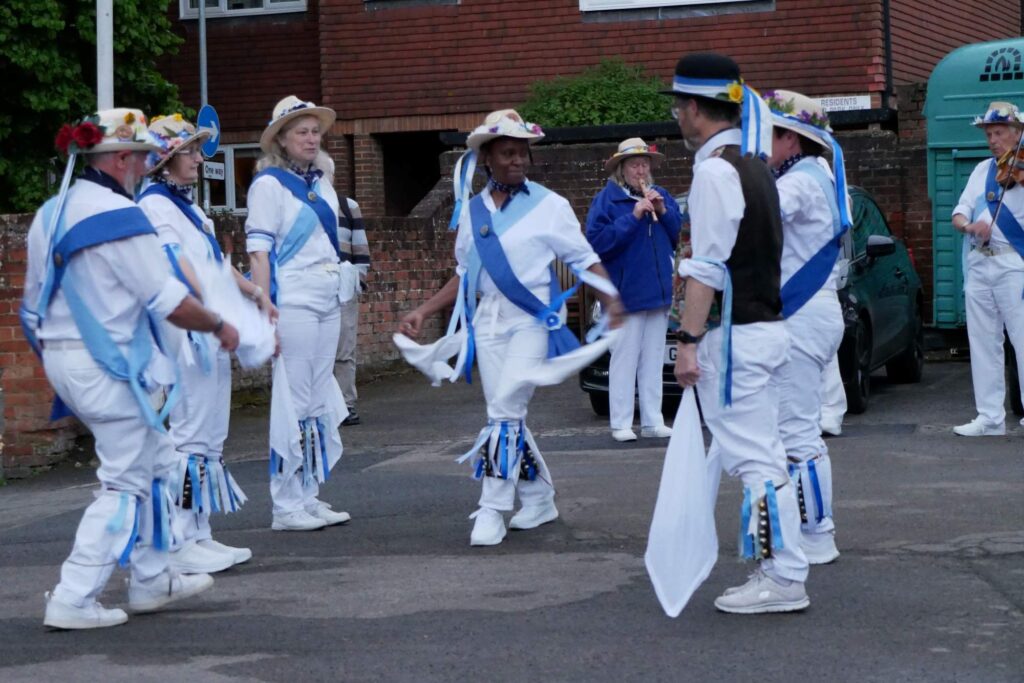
(882, 301)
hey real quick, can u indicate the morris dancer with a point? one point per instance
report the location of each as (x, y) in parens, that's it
(993, 267)
(634, 225)
(508, 236)
(96, 287)
(199, 422)
(737, 245)
(815, 213)
(292, 239)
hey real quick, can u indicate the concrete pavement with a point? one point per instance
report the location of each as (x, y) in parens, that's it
(930, 585)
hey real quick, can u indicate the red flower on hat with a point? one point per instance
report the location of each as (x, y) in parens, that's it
(652, 148)
(86, 135)
(63, 138)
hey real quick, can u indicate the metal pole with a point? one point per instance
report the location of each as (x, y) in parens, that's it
(202, 88)
(104, 54)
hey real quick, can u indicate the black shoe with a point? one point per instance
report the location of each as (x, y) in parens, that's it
(352, 419)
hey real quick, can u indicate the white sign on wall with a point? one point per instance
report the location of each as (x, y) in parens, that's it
(844, 102)
(213, 170)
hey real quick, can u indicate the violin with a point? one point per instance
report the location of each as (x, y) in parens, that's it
(1010, 166)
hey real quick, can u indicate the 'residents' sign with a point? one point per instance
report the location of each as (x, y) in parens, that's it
(844, 102)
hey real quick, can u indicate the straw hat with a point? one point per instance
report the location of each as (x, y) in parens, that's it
(1005, 113)
(800, 114)
(171, 133)
(504, 123)
(110, 130)
(291, 108)
(634, 147)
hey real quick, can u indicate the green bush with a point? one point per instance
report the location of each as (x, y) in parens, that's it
(611, 92)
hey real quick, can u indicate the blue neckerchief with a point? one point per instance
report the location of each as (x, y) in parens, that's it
(311, 199)
(813, 274)
(65, 243)
(486, 229)
(787, 164)
(187, 208)
(1006, 221)
(310, 175)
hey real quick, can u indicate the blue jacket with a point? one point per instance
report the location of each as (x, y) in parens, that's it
(638, 254)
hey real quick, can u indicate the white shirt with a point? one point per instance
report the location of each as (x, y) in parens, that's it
(806, 220)
(116, 279)
(716, 208)
(173, 228)
(548, 231)
(273, 210)
(1014, 202)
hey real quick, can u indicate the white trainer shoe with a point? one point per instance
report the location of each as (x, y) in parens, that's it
(489, 528)
(830, 428)
(322, 510)
(660, 432)
(762, 595)
(978, 427)
(532, 516)
(623, 435)
(239, 555)
(165, 589)
(299, 520)
(819, 548)
(64, 616)
(193, 558)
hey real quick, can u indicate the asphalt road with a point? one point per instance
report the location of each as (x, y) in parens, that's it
(930, 585)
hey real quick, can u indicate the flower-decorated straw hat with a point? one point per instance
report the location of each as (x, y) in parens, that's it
(110, 130)
(800, 114)
(289, 109)
(504, 123)
(1004, 113)
(717, 77)
(634, 147)
(171, 133)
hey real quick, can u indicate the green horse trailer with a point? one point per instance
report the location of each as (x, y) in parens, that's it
(960, 88)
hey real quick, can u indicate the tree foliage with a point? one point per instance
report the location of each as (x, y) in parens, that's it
(48, 68)
(611, 92)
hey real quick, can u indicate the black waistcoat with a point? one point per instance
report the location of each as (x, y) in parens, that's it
(755, 262)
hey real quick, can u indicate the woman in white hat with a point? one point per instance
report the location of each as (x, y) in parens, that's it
(292, 240)
(634, 225)
(993, 266)
(508, 236)
(199, 420)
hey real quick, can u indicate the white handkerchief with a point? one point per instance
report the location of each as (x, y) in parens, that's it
(256, 339)
(348, 283)
(432, 359)
(556, 370)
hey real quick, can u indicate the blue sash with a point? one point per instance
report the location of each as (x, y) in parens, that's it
(486, 229)
(65, 243)
(312, 200)
(1006, 221)
(190, 213)
(812, 275)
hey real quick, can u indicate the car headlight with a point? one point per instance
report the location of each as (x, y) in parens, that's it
(596, 313)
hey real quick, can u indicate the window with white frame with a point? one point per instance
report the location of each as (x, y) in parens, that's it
(189, 9)
(603, 5)
(239, 168)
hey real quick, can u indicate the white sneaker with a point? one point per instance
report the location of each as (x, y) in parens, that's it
(193, 558)
(489, 528)
(761, 595)
(624, 435)
(299, 520)
(819, 548)
(661, 432)
(978, 427)
(239, 555)
(831, 428)
(532, 516)
(322, 510)
(165, 589)
(64, 616)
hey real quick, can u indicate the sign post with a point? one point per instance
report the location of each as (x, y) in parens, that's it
(207, 120)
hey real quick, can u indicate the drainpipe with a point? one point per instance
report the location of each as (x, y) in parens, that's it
(887, 94)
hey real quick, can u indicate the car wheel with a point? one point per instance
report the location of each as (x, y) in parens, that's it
(859, 387)
(908, 366)
(670, 406)
(599, 402)
(1013, 381)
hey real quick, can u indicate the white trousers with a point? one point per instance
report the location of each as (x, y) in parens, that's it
(992, 294)
(746, 434)
(345, 360)
(308, 328)
(507, 341)
(638, 359)
(833, 396)
(815, 332)
(132, 455)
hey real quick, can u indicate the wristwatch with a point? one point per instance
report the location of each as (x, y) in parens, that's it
(219, 325)
(684, 337)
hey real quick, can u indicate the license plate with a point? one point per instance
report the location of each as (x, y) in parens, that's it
(670, 353)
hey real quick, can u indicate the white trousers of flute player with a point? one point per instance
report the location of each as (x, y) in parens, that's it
(638, 360)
